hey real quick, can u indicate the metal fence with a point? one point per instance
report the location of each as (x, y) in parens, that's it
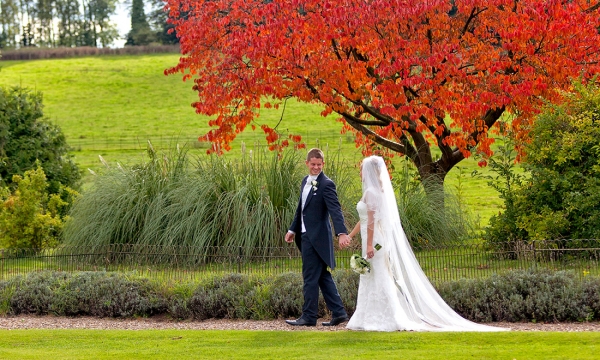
(441, 264)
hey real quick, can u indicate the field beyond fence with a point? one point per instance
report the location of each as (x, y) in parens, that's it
(35, 53)
(441, 264)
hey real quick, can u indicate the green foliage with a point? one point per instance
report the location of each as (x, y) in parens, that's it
(563, 157)
(286, 295)
(85, 293)
(7, 290)
(140, 33)
(30, 218)
(560, 197)
(502, 233)
(25, 136)
(346, 282)
(247, 204)
(530, 295)
(226, 297)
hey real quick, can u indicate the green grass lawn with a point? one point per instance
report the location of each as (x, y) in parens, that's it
(112, 105)
(205, 344)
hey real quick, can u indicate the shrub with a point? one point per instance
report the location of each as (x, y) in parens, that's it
(34, 293)
(106, 295)
(559, 200)
(347, 285)
(30, 218)
(532, 295)
(7, 290)
(178, 299)
(524, 296)
(26, 136)
(222, 298)
(85, 293)
(286, 295)
(168, 201)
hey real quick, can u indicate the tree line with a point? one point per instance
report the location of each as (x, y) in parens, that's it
(74, 23)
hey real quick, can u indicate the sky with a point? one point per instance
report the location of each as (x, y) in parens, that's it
(123, 22)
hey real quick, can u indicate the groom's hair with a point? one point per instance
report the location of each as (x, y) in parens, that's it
(315, 153)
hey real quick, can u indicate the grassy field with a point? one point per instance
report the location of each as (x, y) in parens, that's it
(190, 344)
(112, 105)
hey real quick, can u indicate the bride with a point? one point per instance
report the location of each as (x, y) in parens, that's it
(395, 294)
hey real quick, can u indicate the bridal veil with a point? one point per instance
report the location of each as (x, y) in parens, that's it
(412, 283)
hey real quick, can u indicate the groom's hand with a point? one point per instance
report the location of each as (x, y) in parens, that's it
(289, 237)
(344, 240)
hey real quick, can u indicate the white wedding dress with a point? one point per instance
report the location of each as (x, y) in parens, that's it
(396, 294)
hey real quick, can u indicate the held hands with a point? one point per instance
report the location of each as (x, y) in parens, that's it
(344, 240)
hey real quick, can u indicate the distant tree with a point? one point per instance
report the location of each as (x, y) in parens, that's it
(25, 136)
(97, 29)
(28, 13)
(164, 31)
(27, 36)
(9, 23)
(45, 13)
(69, 18)
(140, 33)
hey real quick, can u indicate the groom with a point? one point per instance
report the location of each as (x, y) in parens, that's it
(312, 232)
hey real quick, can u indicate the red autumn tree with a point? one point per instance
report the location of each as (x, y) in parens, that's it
(406, 75)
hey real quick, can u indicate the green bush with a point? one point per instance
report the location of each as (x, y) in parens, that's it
(347, 285)
(525, 296)
(166, 202)
(85, 293)
(7, 290)
(34, 294)
(538, 296)
(25, 136)
(30, 218)
(560, 197)
(286, 295)
(223, 298)
(106, 295)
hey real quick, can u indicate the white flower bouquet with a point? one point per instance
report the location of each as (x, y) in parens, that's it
(359, 264)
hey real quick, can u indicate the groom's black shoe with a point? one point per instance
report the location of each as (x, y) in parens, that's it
(300, 322)
(336, 321)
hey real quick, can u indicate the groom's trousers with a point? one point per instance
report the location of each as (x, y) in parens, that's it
(316, 276)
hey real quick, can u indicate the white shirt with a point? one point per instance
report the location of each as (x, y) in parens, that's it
(307, 189)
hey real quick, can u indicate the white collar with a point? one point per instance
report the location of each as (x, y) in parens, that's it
(313, 177)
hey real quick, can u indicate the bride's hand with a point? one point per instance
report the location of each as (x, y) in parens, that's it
(370, 251)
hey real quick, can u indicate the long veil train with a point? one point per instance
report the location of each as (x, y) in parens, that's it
(424, 302)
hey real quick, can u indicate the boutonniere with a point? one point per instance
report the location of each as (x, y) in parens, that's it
(315, 185)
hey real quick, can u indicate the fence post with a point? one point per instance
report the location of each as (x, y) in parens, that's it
(239, 260)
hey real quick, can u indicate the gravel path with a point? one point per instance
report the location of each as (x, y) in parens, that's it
(84, 322)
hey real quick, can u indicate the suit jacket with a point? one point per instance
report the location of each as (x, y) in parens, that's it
(321, 204)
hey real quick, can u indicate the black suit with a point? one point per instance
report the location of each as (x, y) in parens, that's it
(316, 246)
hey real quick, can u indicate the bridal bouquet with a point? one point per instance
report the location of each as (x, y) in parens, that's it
(359, 264)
